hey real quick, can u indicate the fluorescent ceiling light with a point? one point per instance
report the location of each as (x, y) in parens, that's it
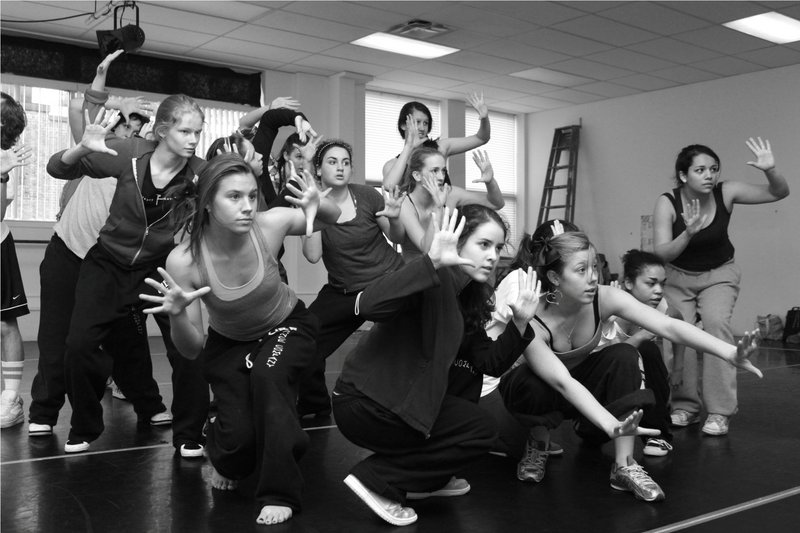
(770, 26)
(404, 45)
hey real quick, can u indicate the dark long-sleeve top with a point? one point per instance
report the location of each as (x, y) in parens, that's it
(403, 362)
(126, 235)
(269, 125)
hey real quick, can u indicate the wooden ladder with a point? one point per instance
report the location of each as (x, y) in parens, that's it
(562, 171)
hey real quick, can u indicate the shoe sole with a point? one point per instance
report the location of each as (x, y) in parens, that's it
(190, 454)
(363, 492)
(76, 448)
(655, 453)
(635, 494)
(438, 493)
(40, 433)
(12, 423)
(682, 425)
(714, 433)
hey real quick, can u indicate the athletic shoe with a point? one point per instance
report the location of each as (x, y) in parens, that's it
(390, 511)
(657, 447)
(164, 418)
(191, 450)
(716, 425)
(532, 465)
(11, 412)
(39, 430)
(633, 478)
(75, 446)
(455, 487)
(682, 418)
(555, 449)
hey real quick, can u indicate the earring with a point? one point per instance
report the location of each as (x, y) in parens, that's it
(554, 297)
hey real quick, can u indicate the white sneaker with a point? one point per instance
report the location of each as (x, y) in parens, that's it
(657, 447)
(11, 412)
(191, 450)
(39, 430)
(75, 446)
(115, 392)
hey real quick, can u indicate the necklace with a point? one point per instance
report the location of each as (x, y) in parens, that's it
(568, 333)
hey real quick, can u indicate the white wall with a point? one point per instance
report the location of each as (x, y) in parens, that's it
(627, 152)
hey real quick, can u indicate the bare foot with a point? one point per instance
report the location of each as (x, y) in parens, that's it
(273, 514)
(220, 482)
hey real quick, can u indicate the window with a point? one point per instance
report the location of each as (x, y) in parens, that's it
(502, 151)
(382, 139)
(47, 132)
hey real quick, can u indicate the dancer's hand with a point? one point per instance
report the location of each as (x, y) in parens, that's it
(412, 138)
(692, 218)
(94, 136)
(444, 247)
(481, 159)
(286, 102)
(746, 347)
(630, 426)
(392, 201)
(763, 151)
(307, 195)
(135, 104)
(524, 307)
(171, 298)
(476, 100)
(304, 129)
(439, 194)
(16, 156)
(102, 68)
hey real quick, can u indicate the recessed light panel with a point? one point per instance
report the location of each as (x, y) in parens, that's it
(771, 26)
(403, 45)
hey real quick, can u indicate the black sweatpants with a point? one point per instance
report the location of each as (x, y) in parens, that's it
(656, 378)
(255, 387)
(612, 376)
(405, 460)
(106, 293)
(335, 311)
(133, 370)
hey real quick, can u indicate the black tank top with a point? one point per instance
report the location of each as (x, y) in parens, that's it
(710, 247)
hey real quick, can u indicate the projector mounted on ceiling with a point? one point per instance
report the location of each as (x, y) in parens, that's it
(419, 29)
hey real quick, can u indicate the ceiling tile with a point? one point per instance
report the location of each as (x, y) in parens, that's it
(540, 13)
(411, 9)
(241, 11)
(483, 62)
(722, 40)
(424, 80)
(222, 59)
(517, 51)
(607, 89)
(521, 85)
(672, 50)
(605, 30)
(322, 29)
(492, 92)
(552, 77)
(464, 16)
(727, 66)
(628, 59)
(337, 64)
(655, 18)
(564, 43)
(370, 55)
(573, 96)
(773, 57)
(462, 39)
(285, 39)
(589, 69)
(400, 87)
(254, 50)
(718, 12)
(181, 19)
(685, 74)
(348, 13)
(175, 36)
(542, 102)
(437, 68)
(645, 82)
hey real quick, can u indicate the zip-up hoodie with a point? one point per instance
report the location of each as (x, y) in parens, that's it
(126, 234)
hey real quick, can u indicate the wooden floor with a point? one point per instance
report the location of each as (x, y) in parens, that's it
(131, 480)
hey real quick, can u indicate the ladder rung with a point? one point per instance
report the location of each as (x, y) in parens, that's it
(553, 187)
(558, 167)
(557, 206)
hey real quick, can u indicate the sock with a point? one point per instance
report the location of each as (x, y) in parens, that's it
(12, 375)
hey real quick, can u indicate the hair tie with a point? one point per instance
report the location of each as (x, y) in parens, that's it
(547, 254)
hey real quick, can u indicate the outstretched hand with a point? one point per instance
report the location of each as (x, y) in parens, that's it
(94, 136)
(171, 298)
(135, 104)
(304, 129)
(286, 102)
(630, 426)
(412, 138)
(444, 247)
(481, 159)
(16, 156)
(763, 152)
(102, 68)
(392, 201)
(745, 348)
(692, 218)
(306, 195)
(439, 194)
(524, 307)
(476, 100)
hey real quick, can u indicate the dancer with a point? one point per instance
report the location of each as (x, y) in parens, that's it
(643, 278)
(690, 233)
(260, 336)
(355, 252)
(391, 395)
(14, 302)
(415, 123)
(562, 377)
(135, 241)
(428, 193)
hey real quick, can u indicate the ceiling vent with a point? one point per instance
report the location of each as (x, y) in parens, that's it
(419, 29)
